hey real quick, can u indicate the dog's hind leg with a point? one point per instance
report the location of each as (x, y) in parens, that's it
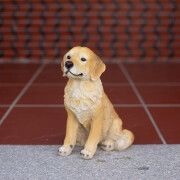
(118, 138)
(109, 143)
(123, 137)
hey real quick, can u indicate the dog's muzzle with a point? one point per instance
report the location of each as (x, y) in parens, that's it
(69, 64)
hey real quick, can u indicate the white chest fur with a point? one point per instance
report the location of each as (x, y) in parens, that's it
(82, 97)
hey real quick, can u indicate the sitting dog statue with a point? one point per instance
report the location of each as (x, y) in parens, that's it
(92, 119)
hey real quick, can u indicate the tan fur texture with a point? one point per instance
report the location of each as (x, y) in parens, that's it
(92, 119)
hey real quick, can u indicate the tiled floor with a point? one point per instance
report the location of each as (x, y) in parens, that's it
(146, 96)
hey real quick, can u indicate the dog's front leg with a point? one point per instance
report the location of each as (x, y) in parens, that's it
(71, 134)
(94, 137)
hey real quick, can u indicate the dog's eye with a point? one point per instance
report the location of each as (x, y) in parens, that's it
(68, 57)
(83, 59)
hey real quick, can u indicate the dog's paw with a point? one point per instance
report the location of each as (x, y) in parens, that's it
(86, 154)
(107, 145)
(65, 150)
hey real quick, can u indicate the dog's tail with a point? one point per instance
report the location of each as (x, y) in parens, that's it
(126, 139)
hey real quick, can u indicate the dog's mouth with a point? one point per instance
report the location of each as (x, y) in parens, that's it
(77, 75)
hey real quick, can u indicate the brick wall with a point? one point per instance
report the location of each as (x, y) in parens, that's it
(117, 30)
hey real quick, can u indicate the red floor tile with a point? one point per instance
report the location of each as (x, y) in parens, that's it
(34, 126)
(154, 72)
(47, 126)
(121, 94)
(55, 95)
(9, 93)
(17, 73)
(136, 120)
(113, 74)
(9, 67)
(43, 95)
(51, 74)
(167, 119)
(2, 111)
(160, 94)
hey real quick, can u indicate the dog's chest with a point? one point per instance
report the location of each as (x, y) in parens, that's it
(82, 99)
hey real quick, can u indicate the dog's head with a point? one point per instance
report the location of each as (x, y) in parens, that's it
(82, 63)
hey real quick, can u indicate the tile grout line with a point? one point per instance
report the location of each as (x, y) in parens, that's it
(35, 75)
(104, 83)
(49, 61)
(142, 102)
(40, 105)
(62, 105)
(115, 105)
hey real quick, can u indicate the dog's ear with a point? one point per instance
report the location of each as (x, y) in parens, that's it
(98, 68)
(62, 67)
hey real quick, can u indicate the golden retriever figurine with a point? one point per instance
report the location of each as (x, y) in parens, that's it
(92, 119)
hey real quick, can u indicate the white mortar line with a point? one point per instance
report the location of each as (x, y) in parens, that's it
(163, 105)
(22, 92)
(148, 105)
(62, 105)
(158, 84)
(107, 60)
(64, 84)
(12, 84)
(58, 84)
(127, 105)
(39, 105)
(142, 102)
(104, 83)
(5, 105)
(115, 105)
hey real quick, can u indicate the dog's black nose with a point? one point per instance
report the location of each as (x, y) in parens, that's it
(69, 64)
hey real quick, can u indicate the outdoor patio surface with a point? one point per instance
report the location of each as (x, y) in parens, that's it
(141, 162)
(33, 120)
(145, 95)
